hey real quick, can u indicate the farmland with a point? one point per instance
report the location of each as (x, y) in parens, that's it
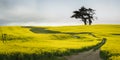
(50, 43)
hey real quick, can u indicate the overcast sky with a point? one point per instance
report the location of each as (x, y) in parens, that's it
(56, 12)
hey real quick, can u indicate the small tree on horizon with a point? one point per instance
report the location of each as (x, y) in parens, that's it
(85, 14)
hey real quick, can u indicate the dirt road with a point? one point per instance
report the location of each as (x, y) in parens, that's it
(87, 55)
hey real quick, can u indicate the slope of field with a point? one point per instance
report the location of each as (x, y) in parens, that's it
(111, 50)
(19, 42)
(40, 42)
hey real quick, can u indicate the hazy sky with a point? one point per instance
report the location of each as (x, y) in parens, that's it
(56, 12)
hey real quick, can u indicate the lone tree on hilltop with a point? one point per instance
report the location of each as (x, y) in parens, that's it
(85, 14)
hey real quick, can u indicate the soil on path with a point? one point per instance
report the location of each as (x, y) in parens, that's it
(89, 55)
(93, 54)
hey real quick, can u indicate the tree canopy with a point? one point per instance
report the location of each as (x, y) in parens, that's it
(85, 14)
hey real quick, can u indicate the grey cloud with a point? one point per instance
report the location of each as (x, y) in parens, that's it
(18, 11)
(51, 11)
